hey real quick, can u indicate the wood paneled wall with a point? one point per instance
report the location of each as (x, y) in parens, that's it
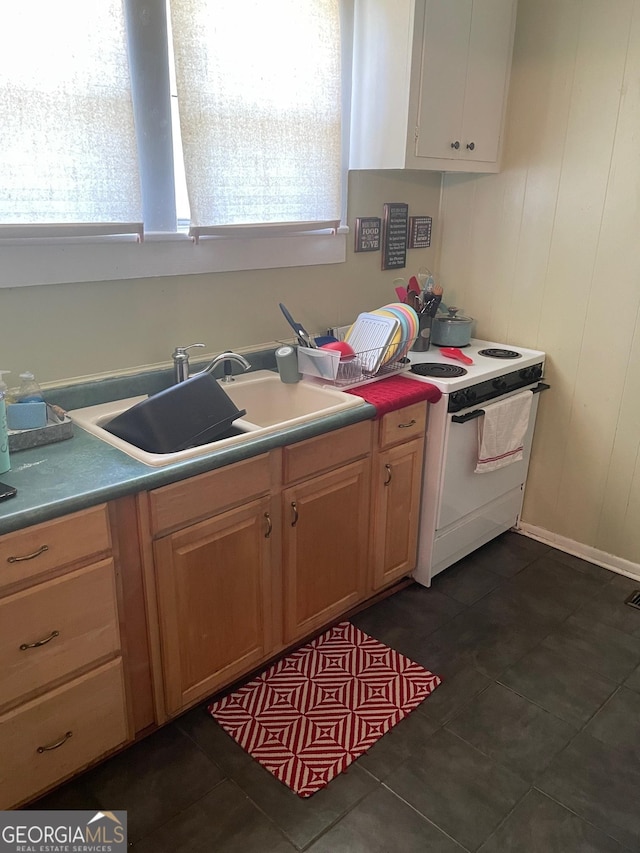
(546, 254)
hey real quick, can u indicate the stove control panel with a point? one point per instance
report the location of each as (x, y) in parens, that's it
(491, 389)
(531, 374)
(461, 399)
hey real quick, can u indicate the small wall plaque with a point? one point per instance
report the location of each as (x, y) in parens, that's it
(394, 235)
(368, 233)
(419, 232)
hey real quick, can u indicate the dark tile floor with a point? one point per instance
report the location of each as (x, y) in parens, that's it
(531, 744)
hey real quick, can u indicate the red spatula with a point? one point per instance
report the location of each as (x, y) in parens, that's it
(454, 352)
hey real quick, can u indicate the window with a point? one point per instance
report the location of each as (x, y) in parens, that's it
(258, 93)
(259, 109)
(67, 139)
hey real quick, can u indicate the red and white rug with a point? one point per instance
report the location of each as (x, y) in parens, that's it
(311, 714)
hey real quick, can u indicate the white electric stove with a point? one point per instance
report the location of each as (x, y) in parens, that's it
(462, 510)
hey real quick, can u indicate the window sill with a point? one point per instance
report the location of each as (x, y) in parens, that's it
(37, 262)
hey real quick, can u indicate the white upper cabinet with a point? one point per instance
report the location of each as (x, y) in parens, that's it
(430, 83)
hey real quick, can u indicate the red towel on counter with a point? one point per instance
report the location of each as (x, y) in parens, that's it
(395, 392)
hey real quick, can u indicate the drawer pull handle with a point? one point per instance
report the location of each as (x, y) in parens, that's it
(55, 745)
(411, 423)
(269, 525)
(38, 643)
(388, 480)
(35, 554)
(294, 507)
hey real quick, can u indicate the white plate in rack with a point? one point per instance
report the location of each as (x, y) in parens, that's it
(370, 337)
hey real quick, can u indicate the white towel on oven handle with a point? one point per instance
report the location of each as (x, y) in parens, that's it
(501, 432)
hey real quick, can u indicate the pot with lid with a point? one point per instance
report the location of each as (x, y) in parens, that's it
(452, 329)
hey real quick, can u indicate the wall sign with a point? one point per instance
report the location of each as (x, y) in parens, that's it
(419, 232)
(394, 235)
(368, 233)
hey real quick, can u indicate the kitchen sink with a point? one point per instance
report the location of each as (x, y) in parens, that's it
(270, 405)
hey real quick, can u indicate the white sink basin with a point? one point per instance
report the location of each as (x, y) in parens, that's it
(270, 404)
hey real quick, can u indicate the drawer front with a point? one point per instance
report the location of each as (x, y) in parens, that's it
(197, 498)
(325, 452)
(57, 734)
(403, 425)
(34, 550)
(56, 627)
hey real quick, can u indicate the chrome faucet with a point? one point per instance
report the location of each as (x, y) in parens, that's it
(181, 363)
(227, 358)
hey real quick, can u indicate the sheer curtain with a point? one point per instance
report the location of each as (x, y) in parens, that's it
(67, 137)
(259, 94)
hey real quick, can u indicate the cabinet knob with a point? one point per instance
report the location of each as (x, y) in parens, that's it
(388, 470)
(455, 145)
(294, 517)
(471, 146)
(269, 525)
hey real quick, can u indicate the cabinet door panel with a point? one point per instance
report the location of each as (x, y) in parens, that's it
(398, 488)
(214, 596)
(325, 536)
(444, 72)
(488, 71)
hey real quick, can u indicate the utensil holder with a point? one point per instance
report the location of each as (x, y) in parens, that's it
(423, 338)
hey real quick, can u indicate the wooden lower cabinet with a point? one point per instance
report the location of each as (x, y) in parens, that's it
(63, 667)
(396, 493)
(397, 489)
(325, 547)
(61, 732)
(214, 586)
(230, 567)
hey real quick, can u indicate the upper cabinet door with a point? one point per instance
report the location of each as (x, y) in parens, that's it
(443, 78)
(490, 46)
(466, 59)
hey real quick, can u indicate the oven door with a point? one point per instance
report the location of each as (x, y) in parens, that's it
(462, 490)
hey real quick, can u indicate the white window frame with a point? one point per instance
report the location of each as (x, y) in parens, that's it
(72, 259)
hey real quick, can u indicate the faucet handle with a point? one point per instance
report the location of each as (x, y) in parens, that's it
(181, 352)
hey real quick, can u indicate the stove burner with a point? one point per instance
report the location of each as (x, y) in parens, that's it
(495, 352)
(442, 371)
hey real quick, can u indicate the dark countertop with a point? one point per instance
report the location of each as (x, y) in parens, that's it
(82, 471)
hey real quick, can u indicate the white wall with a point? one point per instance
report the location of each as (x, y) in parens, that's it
(547, 254)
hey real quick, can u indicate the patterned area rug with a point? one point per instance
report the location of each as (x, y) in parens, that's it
(311, 714)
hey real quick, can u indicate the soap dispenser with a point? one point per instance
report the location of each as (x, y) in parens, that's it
(5, 463)
(29, 390)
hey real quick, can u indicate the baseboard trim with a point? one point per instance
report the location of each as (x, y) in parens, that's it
(578, 549)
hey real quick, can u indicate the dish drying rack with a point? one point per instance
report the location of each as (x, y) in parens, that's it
(379, 352)
(327, 366)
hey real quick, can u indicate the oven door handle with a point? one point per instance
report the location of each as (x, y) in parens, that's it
(541, 386)
(478, 413)
(462, 419)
